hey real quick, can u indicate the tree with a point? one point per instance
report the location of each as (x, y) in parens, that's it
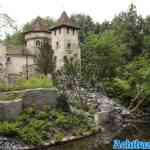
(85, 23)
(100, 57)
(6, 23)
(45, 60)
(128, 27)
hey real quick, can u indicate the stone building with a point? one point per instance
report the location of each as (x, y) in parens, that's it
(63, 39)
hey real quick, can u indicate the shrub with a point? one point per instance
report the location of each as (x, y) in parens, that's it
(34, 82)
(37, 127)
(8, 129)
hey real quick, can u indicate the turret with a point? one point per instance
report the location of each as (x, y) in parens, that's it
(37, 35)
(64, 39)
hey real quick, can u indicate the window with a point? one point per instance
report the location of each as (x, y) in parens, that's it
(69, 45)
(1, 66)
(25, 43)
(55, 32)
(8, 59)
(67, 30)
(57, 44)
(38, 43)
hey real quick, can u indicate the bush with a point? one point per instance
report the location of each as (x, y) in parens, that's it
(34, 82)
(37, 127)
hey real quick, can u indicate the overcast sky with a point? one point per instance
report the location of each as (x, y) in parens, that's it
(100, 10)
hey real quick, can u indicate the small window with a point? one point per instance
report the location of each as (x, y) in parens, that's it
(68, 30)
(25, 43)
(57, 44)
(8, 59)
(1, 66)
(59, 31)
(69, 45)
(55, 32)
(38, 43)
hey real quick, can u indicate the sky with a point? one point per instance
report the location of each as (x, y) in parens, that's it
(23, 11)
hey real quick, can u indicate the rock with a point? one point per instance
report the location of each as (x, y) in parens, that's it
(101, 118)
(40, 98)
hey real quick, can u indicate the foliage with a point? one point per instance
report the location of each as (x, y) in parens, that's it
(128, 27)
(37, 127)
(133, 84)
(39, 81)
(100, 56)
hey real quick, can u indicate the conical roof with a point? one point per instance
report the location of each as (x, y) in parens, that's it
(64, 20)
(39, 25)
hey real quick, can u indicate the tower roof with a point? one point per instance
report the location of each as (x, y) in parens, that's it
(64, 20)
(39, 25)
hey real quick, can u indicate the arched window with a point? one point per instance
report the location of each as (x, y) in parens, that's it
(57, 44)
(1, 66)
(25, 43)
(69, 45)
(38, 43)
(8, 59)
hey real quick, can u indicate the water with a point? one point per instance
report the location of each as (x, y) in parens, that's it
(102, 141)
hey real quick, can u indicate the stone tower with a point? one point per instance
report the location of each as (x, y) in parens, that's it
(35, 37)
(64, 40)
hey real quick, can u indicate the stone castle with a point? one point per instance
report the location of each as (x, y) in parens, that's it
(63, 38)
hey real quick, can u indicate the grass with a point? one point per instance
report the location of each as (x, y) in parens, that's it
(36, 127)
(34, 82)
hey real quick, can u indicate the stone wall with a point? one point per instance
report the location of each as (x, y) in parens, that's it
(10, 110)
(39, 98)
